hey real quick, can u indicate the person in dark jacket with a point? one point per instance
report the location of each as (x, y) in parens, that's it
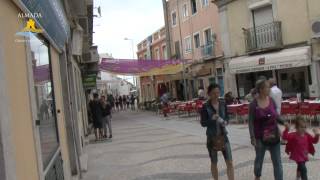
(214, 116)
(132, 101)
(120, 103)
(96, 114)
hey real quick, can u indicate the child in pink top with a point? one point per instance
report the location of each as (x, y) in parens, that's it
(300, 144)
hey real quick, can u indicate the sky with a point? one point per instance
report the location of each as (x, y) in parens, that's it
(134, 19)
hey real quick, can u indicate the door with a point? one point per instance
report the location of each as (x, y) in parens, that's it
(44, 110)
(261, 18)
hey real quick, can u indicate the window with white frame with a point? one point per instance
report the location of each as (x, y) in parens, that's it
(196, 39)
(207, 37)
(185, 10)
(164, 52)
(187, 43)
(157, 54)
(194, 6)
(205, 3)
(174, 18)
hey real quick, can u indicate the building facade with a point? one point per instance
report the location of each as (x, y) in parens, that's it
(153, 48)
(43, 112)
(271, 38)
(194, 34)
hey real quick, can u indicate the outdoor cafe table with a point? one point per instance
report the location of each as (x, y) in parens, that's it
(233, 108)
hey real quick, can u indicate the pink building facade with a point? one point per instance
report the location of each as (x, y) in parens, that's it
(194, 34)
(153, 48)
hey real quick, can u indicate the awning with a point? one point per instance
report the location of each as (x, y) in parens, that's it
(142, 67)
(287, 58)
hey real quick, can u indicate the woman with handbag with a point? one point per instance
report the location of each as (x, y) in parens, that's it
(264, 131)
(214, 116)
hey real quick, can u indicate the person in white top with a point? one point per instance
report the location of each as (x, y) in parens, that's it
(276, 94)
(201, 93)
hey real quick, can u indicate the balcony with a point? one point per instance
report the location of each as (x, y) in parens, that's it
(264, 37)
(207, 51)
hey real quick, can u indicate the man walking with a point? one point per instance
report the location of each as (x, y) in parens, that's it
(96, 114)
(106, 120)
(276, 94)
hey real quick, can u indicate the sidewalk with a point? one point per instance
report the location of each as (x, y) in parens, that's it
(148, 147)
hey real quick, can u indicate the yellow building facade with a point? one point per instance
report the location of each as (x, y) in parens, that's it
(33, 142)
(271, 38)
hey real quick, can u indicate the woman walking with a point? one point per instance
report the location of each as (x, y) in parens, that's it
(264, 132)
(214, 116)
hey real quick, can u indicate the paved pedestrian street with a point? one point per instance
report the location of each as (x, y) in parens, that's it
(148, 147)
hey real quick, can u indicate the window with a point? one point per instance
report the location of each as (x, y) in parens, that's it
(177, 49)
(174, 18)
(205, 3)
(185, 10)
(157, 54)
(194, 6)
(187, 42)
(164, 52)
(207, 37)
(196, 38)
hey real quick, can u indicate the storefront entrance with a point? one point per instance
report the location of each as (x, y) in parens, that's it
(45, 113)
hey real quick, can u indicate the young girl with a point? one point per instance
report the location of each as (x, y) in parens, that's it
(300, 144)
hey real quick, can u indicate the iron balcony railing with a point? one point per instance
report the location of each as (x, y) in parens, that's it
(264, 37)
(207, 50)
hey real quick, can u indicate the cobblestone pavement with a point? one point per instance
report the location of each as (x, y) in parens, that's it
(149, 147)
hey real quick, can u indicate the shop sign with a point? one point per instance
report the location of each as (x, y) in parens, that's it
(264, 68)
(90, 81)
(204, 71)
(53, 19)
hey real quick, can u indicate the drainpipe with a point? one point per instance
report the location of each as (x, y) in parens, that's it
(167, 27)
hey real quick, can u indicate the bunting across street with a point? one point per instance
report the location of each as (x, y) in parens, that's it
(142, 67)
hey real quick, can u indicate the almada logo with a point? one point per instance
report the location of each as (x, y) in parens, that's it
(29, 29)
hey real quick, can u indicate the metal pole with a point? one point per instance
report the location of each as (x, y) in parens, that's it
(132, 47)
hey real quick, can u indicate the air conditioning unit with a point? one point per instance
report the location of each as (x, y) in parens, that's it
(92, 56)
(315, 28)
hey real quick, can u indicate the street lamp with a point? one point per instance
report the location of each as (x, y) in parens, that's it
(132, 48)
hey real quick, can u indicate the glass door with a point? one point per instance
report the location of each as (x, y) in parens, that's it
(44, 107)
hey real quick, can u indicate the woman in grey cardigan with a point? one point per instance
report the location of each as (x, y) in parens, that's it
(214, 116)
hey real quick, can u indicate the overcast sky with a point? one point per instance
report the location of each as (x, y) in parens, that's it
(135, 19)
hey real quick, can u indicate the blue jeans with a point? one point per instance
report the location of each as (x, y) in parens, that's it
(275, 157)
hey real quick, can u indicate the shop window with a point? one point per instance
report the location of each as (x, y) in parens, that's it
(293, 83)
(212, 80)
(44, 98)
